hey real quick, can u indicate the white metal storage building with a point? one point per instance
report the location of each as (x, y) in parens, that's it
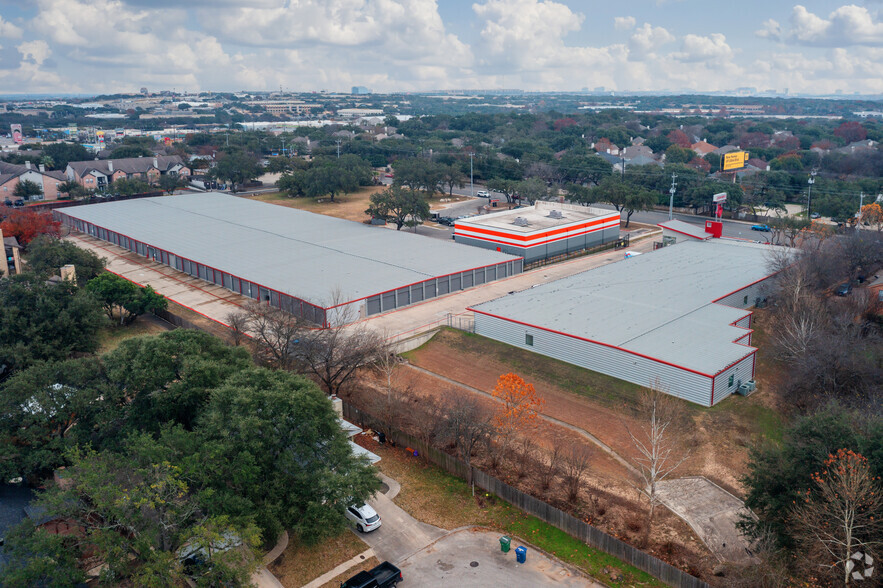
(677, 315)
(304, 263)
(542, 231)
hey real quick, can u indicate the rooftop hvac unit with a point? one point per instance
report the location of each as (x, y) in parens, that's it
(520, 222)
(555, 214)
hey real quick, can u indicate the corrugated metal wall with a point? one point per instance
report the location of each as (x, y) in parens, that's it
(599, 358)
(540, 252)
(741, 373)
(439, 286)
(746, 297)
(296, 306)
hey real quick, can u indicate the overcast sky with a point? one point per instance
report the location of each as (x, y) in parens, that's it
(103, 46)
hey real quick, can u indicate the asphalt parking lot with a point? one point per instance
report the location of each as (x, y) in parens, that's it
(473, 558)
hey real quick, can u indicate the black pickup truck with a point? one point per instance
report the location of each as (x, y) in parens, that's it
(383, 576)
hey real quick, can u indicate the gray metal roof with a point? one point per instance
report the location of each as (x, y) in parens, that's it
(688, 229)
(658, 304)
(300, 253)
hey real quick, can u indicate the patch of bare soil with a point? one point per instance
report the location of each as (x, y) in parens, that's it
(718, 439)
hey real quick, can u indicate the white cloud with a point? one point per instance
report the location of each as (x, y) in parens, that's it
(624, 23)
(9, 30)
(646, 40)
(845, 26)
(34, 51)
(527, 34)
(696, 48)
(770, 30)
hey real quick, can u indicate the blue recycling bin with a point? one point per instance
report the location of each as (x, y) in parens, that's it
(521, 554)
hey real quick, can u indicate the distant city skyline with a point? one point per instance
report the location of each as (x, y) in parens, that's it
(111, 46)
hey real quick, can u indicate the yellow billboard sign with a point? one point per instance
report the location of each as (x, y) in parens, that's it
(734, 160)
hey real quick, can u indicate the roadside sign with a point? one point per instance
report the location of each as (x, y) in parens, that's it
(719, 197)
(734, 160)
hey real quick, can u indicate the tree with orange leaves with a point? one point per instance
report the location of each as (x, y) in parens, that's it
(25, 224)
(520, 406)
(840, 517)
(873, 215)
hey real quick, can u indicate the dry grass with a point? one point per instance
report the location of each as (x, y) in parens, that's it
(112, 336)
(368, 564)
(300, 564)
(346, 206)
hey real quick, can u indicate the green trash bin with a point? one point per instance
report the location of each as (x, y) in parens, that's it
(505, 542)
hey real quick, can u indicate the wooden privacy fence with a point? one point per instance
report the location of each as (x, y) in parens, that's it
(542, 510)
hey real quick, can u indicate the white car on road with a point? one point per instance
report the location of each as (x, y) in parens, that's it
(483, 194)
(365, 518)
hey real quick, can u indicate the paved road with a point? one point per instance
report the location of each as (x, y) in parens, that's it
(473, 558)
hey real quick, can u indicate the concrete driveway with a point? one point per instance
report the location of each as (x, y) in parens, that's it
(473, 558)
(712, 512)
(400, 534)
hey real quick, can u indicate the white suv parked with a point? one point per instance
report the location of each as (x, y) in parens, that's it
(483, 194)
(365, 517)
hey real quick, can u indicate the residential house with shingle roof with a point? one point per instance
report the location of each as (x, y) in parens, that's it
(99, 173)
(11, 174)
(702, 148)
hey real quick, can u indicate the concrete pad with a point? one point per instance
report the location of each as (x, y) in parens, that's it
(451, 561)
(712, 512)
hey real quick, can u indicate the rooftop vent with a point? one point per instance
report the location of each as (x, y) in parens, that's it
(520, 222)
(555, 214)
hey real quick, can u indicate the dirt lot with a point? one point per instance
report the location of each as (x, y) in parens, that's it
(346, 206)
(605, 406)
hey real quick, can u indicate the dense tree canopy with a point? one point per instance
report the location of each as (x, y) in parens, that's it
(46, 255)
(40, 321)
(400, 206)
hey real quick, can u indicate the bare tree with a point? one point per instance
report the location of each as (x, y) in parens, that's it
(468, 425)
(335, 353)
(238, 323)
(654, 439)
(576, 461)
(800, 316)
(526, 449)
(841, 516)
(274, 333)
(552, 467)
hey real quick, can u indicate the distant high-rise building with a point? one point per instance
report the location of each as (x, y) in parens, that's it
(361, 90)
(600, 89)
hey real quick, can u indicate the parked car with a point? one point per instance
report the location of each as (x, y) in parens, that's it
(763, 228)
(483, 194)
(446, 221)
(18, 203)
(843, 289)
(365, 517)
(383, 576)
(815, 215)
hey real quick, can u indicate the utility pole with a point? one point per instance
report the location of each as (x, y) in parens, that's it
(671, 198)
(283, 147)
(861, 203)
(471, 183)
(338, 149)
(811, 181)
(622, 165)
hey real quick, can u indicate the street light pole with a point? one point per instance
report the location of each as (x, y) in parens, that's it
(471, 183)
(811, 181)
(671, 192)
